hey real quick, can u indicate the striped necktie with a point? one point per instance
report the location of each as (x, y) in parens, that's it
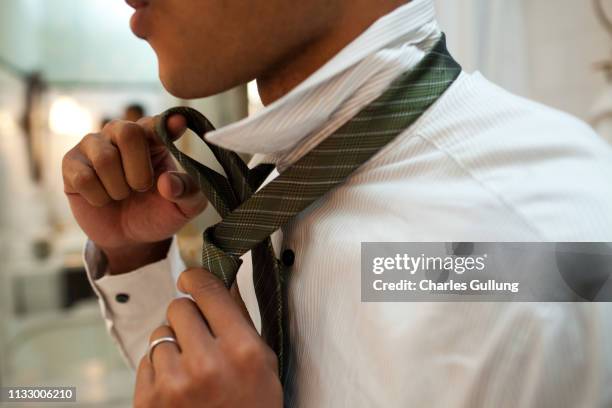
(251, 214)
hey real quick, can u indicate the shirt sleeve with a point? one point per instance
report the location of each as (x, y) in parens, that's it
(135, 303)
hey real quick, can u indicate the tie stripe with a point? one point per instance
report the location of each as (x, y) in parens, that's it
(248, 218)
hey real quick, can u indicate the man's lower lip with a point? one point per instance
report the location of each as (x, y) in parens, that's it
(137, 23)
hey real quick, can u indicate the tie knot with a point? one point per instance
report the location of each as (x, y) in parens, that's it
(222, 264)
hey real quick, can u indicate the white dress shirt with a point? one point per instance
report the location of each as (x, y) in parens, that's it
(479, 165)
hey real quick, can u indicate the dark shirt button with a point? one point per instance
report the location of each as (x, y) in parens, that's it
(288, 257)
(122, 298)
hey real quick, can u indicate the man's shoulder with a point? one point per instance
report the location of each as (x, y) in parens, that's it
(474, 110)
(482, 147)
(478, 125)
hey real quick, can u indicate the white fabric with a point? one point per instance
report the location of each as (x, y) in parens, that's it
(601, 117)
(150, 290)
(485, 35)
(480, 165)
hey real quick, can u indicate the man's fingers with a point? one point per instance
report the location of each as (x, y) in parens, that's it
(176, 125)
(166, 355)
(215, 302)
(189, 325)
(133, 144)
(145, 375)
(80, 178)
(137, 142)
(106, 161)
(144, 390)
(182, 190)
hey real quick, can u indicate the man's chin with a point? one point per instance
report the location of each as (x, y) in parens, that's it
(184, 86)
(181, 90)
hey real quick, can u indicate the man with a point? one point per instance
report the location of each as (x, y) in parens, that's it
(478, 165)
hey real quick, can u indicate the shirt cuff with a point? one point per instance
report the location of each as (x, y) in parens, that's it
(134, 293)
(133, 304)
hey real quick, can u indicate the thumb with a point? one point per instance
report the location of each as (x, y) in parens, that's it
(182, 190)
(176, 125)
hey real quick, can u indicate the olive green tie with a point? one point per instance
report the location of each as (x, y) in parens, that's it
(250, 217)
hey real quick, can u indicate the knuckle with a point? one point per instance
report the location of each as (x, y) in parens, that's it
(204, 372)
(249, 354)
(111, 125)
(66, 159)
(88, 142)
(129, 132)
(83, 178)
(114, 128)
(89, 138)
(177, 306)
(105, 158)
(66, 168)
(176, 387)
(147, 123)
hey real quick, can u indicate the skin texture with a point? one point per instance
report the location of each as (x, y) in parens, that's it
(128, 197)
(237, 41)
(125, 192)
(221, 361)
(208, 46)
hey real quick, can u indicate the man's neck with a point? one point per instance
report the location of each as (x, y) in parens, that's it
(293, 70)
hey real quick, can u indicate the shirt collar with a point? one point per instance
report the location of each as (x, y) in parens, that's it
(282, 124)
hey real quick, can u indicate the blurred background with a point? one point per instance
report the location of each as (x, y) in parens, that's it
(68, 66)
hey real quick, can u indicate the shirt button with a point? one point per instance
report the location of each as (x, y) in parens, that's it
(288, 257)
(122, 298)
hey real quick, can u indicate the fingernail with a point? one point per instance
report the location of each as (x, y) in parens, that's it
(177, 186)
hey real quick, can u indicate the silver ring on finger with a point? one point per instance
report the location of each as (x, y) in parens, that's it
(156, 343)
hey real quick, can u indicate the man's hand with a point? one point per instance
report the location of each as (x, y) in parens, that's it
(126, 194)
(220, 360)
